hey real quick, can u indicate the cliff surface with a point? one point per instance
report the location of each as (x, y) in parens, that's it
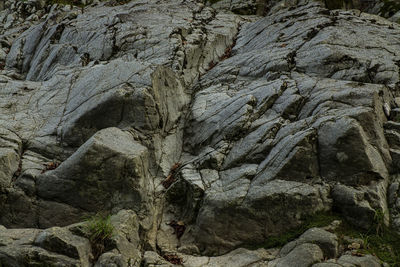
(204, 133)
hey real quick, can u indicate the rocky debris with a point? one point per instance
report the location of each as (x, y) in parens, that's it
(319, 248)
(245, 212)
(23, 247)
(68, 246)
(236, 258)
(272, 120)
(316, 247)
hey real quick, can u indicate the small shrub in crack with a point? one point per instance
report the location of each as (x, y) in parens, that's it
(50, 166)
(98, 230)
(171, 176)
(174, 259)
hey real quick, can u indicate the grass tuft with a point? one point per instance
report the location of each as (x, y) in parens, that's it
(99, 230)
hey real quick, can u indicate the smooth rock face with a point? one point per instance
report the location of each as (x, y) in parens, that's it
(201, 131)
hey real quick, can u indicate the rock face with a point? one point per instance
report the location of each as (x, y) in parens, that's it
(109, 171)
(297, 120)
(66, 247)
(200, 130)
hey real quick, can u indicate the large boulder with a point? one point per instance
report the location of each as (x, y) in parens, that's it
(110, 171)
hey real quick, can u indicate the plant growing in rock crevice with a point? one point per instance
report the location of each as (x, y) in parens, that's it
(99, 230)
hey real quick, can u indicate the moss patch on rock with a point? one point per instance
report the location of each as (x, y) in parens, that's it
(379, 240)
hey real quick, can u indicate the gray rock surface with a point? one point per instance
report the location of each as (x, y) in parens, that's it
(109, 171)
(283, 112)
(61, 241)
(327, 241)
(199, 126)
(23, 247)
(303, 255)
(68, 246)
(367, 260)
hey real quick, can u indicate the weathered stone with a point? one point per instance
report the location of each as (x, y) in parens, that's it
(245, 210)
(237, 6)
(18, 209)
(109, 171)
(126, 241)
(303, 255)
(17, 249)
(152, 259)
(11, 146)
(351, 202)
(364, 261)
(112, 259)
(31, 256)
(327, 264)
(17, 236)
(236, 258)
(394, 203)
(343, 162)
(328, 242)
(272, 118)
(52, 213)
(63, 242)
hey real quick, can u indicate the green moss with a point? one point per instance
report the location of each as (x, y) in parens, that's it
(379, 240)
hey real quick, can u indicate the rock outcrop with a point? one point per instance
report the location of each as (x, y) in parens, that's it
(202, 128)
